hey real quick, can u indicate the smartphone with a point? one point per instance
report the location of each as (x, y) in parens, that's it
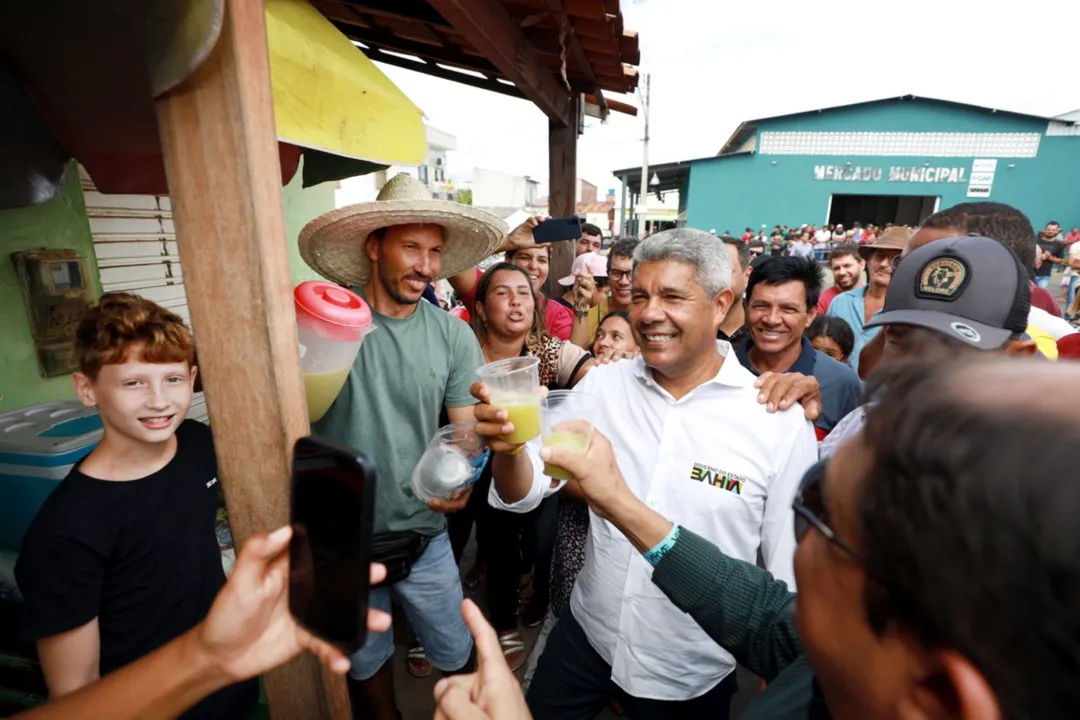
(558, 229)
(332, 507)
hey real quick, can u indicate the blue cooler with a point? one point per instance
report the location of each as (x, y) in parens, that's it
(38, 446)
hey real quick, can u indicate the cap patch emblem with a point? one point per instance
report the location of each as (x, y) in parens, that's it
(942, 278)
(966, 331)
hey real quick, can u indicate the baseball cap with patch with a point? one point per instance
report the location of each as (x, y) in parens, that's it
(970, 288)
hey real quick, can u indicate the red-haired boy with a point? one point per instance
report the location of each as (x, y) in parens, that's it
(123, 557)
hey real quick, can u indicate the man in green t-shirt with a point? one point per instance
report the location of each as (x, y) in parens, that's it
(419, 363)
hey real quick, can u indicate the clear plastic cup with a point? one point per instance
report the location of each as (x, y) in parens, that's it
(451, 463)
(567, 424)
(514, 386)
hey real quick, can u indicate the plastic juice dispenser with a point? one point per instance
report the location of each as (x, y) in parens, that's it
(332, 322)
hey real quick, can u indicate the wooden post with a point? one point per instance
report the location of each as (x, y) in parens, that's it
(562, 191)
(221, 157)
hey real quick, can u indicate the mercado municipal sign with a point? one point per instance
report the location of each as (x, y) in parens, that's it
(892, 174)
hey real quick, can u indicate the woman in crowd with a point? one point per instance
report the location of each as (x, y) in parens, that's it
(614, 333)
(832, 336)
(508, 319)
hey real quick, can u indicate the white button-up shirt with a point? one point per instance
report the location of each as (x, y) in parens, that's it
(713, 462)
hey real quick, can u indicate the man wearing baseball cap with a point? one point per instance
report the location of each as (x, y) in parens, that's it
(948, 297)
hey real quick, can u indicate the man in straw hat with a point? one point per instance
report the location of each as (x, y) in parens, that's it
(857, 306)
(419, 362)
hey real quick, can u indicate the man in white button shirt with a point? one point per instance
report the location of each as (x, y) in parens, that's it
(695, 444)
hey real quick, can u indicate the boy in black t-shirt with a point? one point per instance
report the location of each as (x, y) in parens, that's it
(122, 557)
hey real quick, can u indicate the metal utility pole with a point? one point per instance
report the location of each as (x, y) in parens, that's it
(643, 196)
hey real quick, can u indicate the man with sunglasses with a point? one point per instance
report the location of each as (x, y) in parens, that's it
(857, 306)
(922, 545)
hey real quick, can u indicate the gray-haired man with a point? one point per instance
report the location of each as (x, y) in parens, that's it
(694, 443)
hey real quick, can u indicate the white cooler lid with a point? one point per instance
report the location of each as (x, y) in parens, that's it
(51, 428)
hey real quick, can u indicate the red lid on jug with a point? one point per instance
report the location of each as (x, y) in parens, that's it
(332, 303)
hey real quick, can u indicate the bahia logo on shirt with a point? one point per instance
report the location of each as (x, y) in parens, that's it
(212, 483)
(717, 478)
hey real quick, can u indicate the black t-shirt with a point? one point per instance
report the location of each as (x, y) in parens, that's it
(1055, 248)
(141, 556)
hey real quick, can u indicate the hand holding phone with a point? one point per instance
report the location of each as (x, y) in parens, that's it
(332, 510)
(558, 229)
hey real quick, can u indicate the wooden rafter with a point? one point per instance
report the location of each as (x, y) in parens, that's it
(491, 30)
(430, 68)
(555, 7)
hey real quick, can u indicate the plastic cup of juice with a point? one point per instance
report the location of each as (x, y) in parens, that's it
(567, 424)
(514, 386)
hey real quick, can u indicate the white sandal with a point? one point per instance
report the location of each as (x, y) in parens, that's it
(417, 652)
(511, 643)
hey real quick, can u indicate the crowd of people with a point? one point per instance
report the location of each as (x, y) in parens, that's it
(757, 435)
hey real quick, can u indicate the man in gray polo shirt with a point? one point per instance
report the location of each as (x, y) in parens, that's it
(781, 297)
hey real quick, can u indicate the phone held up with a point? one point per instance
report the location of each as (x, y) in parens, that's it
(557, 229)
(333, 497)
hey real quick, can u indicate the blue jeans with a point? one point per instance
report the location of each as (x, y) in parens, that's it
(1043, 281)
(1074, 286)
(431, 597)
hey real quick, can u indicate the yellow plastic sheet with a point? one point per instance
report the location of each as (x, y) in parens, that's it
(329, 96)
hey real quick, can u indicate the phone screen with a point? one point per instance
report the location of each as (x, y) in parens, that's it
(330, 550)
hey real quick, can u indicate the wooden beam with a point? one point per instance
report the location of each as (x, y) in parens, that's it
(562, 191)
(436, 53)
(487, 25)
(577, 53)
(615, 106)
(221, 158)
(429, 68)
(408, 10)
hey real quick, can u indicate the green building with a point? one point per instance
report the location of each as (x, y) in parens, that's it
(894, 160)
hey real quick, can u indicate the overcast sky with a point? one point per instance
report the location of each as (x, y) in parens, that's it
(714, 64)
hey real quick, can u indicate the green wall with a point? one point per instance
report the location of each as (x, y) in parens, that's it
(57, 224)
(301, 206)
(738, 191)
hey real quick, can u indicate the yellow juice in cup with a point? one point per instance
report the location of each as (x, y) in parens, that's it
(321, 390)
(524, 411)
(572, 441)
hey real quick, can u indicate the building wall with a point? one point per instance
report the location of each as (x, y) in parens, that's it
(496, 189)
(59, 224)
(767, 189)
(303, 205)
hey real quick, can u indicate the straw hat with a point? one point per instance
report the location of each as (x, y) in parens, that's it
(333, 244)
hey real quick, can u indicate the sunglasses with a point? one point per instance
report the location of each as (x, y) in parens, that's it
(811, 512)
